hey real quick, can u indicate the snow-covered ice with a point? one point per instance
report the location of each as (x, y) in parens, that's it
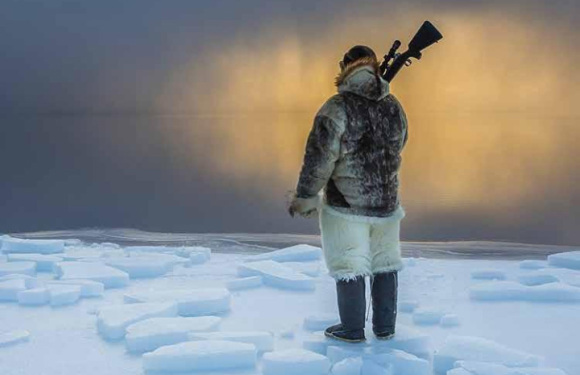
(402, 362)
(44, 263)
(29, 281)
(536, 317)
(13, 337)
(348, 366)
(244, 283)
(513, 291)
(9, 289)
(319, 322)
(298, 253)
(190, 302)
(295, 361)
(405, 339)
(488, 275)
(537, 278)
(485, 368)
(277, 275)
(263, 341)
(569, 259)
(457, 348)
(201, 356)
(61, 295)
(407, 306)
(140, 267)
(112, 321)
(24, 268)
(533, 264)
(427, 316)
(449, 320)
(34, 297)
(89, 288)
(12, 245)
(150, 334)
(186, 251)
(110, 277)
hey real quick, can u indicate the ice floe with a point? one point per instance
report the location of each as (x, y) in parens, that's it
(277, 275)
(12, 245)
(537, 278)
(319, 322)
(298, 253)
(13, 337)
(513, 291)
(110, 277)
(295, 361)
(61, 295)
(263, 341)
(201, 356)
(190, 302)
(112, 321)
(150, 334)
(23, 268)
(570, 259)
(488, 275)
(34, 297)
(9, 289)
(467, 348)
(244, 283)
(44, 263)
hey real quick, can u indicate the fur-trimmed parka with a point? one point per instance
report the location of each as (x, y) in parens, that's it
(353, 151)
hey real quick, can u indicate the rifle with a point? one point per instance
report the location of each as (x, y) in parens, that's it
(425, 36)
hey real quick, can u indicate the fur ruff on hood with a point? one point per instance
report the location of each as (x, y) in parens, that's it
(350, 68)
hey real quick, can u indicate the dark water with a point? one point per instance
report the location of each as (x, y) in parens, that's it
(464, 177)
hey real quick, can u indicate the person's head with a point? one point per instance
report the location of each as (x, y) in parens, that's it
(357, 53)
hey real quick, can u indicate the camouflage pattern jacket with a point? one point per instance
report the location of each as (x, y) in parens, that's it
(353, 151)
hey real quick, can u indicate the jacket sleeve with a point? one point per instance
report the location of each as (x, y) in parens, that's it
(322, 148)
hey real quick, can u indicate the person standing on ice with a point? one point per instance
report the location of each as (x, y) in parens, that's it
(353, 153)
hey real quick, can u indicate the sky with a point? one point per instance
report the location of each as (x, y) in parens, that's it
(192, 116)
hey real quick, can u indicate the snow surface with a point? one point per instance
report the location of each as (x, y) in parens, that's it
(531, 319)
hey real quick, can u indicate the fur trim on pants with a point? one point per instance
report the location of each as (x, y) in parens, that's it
(359, 245)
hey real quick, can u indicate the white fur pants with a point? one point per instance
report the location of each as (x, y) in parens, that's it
(359, 245)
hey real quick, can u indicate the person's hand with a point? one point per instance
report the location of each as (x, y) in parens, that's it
(305, 207)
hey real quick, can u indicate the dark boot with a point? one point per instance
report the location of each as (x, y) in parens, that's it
(351, 306)
(384, 296)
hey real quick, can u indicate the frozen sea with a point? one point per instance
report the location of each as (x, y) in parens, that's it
(132, 302)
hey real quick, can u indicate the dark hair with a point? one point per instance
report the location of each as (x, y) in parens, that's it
(358, 52)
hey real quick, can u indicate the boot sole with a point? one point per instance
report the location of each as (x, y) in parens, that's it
(385, 338)
(331, 336)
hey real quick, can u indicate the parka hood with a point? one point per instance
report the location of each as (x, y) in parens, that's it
(360, 78)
